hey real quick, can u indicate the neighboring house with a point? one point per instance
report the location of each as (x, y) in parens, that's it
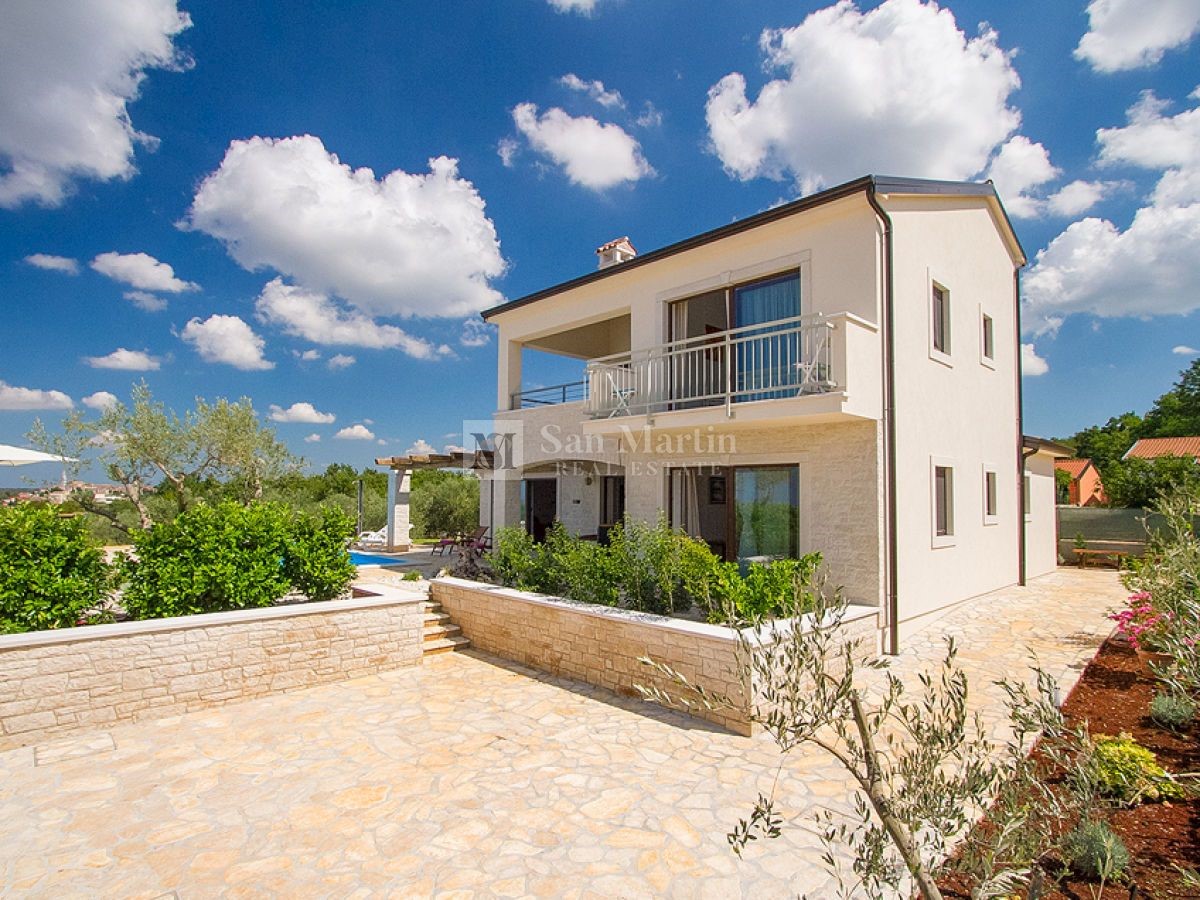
(838, 374)
(1086, 488)
(1153, 448)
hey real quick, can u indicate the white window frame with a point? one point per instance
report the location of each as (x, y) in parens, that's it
(994, 473)
(935, 354)
(984, 359)
(1027, 494)
(939, 541)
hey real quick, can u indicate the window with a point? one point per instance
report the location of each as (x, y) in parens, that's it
(991, 500)
(987, 333)
(1027, 493)
(943, 504)
(940, 319)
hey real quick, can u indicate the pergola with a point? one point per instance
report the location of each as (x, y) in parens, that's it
(400, 472)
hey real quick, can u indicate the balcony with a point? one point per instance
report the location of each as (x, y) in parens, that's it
(821, 367)
(783, 359)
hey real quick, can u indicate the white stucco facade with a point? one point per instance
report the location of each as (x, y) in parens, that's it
(953, 412)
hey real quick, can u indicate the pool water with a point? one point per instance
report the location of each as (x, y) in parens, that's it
(374, 559)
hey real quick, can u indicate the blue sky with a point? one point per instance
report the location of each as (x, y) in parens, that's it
(174, 183)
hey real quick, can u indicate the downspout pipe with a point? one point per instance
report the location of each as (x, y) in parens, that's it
(891, 589)
(1022, 453)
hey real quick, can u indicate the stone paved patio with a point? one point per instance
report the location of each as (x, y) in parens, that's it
(466, 777)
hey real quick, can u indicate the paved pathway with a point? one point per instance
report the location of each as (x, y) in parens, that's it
(465, 777)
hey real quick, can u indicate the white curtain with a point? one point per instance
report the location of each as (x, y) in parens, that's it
(685, 500)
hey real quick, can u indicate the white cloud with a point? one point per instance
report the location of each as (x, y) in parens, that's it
(420, 447)
(1133, 34)
(583, 7)
(1021, 166)
(649, 117)
(300, 412)
(146, 301)
(315, 317)
(355, 433)
(127, 360)
(227, 339)
(406, 244)
(68, 70)
(1078, 197)
(310, 355)
(594, 89)
(593, 155)
(313, 439)
(897, 89)
(1151, 267)
(341, 361)
(1184, 350)
(1032, 365)
(141, 271)
(52, 263)
(476, 333)
(101, 400)
(507, 150)
(19, 398)
(1152, 140)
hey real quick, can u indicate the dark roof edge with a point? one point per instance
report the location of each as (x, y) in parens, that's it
(883, 184)
(1043, 445)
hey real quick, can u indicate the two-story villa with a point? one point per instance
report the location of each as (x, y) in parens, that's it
(839, 374)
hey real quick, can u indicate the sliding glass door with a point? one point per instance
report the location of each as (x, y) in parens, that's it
(767, 357)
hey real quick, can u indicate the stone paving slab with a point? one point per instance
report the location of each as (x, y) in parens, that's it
(467, 777)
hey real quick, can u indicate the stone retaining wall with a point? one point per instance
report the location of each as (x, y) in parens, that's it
(601, 646)
(53, 683)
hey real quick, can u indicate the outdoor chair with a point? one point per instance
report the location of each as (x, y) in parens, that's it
(372, 538)
(446, 542)
(479, 541)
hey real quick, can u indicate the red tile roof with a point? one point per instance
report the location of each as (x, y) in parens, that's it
(1152, 448)
(1075, 467)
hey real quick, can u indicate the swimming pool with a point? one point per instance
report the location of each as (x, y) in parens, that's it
(374, 559)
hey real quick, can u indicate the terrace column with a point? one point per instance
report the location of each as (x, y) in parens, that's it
(399, 523)
(508, 375)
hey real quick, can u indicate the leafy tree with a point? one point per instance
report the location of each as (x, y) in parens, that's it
(1177, 412)
(1140, 482)
(217, 447)
(1107, 443)
(443, 502)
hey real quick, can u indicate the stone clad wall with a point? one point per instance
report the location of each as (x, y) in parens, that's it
(597, 645)
(601, 646)
(53, 683)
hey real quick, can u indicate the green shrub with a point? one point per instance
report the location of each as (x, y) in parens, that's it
(1095, 851)
(210, 558)
(230, 556)
(517, 560)
(1121, 769)
(651, 568)
(1172, 710)
(411, 576)
(51, 576)
(316, 561)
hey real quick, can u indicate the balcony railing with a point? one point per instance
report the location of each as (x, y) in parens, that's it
(550, 395)
(772, 360)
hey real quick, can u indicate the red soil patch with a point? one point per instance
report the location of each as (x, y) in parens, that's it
(1114, 696)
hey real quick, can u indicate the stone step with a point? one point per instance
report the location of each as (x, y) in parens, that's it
(436, 618)
(433, 632)
(446, 645)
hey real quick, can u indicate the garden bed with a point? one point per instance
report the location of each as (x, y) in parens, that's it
(1113, 696)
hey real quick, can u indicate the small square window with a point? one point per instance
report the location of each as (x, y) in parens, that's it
(940, 319)
(943, 504)
(988, 330)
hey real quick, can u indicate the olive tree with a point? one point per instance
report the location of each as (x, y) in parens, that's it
(154, 453)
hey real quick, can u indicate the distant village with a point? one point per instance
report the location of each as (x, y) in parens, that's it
(61, 493)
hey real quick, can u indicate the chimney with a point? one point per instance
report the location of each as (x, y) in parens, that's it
(615, 252)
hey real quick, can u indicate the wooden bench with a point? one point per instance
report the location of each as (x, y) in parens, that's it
(1117, 556)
